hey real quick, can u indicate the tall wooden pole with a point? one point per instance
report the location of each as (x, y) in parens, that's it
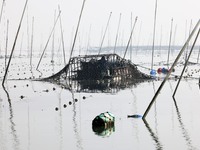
(9, 61)
(170, 70)
(170, 37)
(186, 62)
(154, 31)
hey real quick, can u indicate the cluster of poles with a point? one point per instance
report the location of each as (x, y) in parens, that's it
(128, 44)
(173, 65)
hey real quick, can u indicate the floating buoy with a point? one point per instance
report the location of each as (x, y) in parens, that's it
(84, 97)
(21, 96)
(159, 70)
(164, 70)
(105, 120)
(103, 124)
(134, 116)
(56, 108)
(64, 105)
(70, 102)
(153, 72)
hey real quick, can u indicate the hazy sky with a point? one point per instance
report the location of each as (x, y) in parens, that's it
(94, 19)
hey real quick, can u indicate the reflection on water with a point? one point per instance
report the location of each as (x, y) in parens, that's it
(60, 122)
(75, 126)
(154, 136)
(103, 131)
(12, 124)
(30, 122)
(184, 131)
(101, 86)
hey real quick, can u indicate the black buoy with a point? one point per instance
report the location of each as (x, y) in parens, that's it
(70, 102)
(84, 97)
(56, 108)
(64, 105)
(21, 96)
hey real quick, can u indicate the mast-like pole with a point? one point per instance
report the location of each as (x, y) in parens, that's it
(53, 39)
(130, 38)
(186, 62)
(32, 44)
(62, 38)
(169, 48)
(76, 30)
(105, 33)
(117, 33)
(154, 30)
(6, 49)
(48, 41)
(9, 61)
(198, 56)
(170, 70)
(2, 10)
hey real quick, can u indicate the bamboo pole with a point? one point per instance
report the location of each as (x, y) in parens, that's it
(77, 28)
(105, 33)
(48, 41)
(2, 10)
(9, 61)
(6, 49)
(170, 70)
(130, 37)
(31, 44)
(88, 43)
(186, 62)
(170, 37)
(131, 49)
(28, 53)
(117, 33)
(198, 55)
(62, 38)
(154, 30)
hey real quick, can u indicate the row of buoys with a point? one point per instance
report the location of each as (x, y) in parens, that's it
(159, 71)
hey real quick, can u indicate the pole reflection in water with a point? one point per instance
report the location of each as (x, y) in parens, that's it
(154, 136)
(135, 110)
(184, 131)
(60, 121)
(12, 124)
(2, 136)
(79, 144)
(155, 109)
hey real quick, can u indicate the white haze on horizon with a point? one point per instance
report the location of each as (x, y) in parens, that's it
(185, 13)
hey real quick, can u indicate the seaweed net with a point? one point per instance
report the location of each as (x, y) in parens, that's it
(98, 67)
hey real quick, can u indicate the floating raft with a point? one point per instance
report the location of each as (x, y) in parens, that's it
(98, 67)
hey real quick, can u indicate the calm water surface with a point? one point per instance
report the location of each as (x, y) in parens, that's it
(29, 121)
